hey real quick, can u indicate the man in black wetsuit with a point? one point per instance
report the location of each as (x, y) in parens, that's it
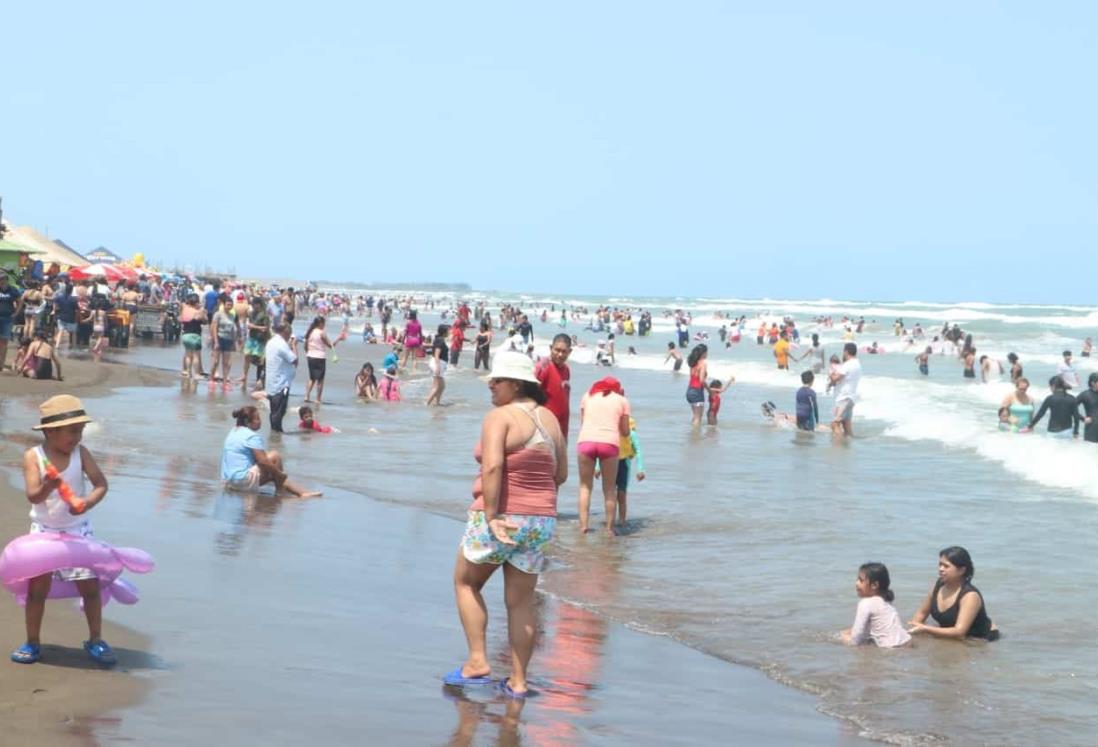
(1088, 400)
(1061, 408)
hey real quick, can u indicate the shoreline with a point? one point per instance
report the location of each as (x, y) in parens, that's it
(64, 699)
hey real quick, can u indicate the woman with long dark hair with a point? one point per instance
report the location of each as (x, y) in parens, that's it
(955, 604)
(699, 375)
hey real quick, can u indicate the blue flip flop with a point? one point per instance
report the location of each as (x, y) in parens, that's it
(28, 653)
(100, 653)
(457, 679)
(505, 688)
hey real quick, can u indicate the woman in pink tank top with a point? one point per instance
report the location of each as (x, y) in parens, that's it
(514, 514)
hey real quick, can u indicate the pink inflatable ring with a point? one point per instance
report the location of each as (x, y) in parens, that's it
(38, 554)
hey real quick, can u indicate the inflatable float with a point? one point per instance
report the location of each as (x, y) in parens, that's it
(34, 555)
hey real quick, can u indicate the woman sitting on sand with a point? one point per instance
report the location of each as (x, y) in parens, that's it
(955, 604)
(245, 462)
(41, 361)
(523, 461)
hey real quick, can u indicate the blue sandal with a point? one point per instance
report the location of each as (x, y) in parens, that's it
(28, 653)
(100, 653)
(457, 679)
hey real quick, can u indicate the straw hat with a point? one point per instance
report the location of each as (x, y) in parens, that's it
(508, 364)
(62, 410)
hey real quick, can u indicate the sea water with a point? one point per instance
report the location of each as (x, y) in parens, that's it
(744, 540)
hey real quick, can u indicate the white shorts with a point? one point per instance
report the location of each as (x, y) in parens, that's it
(248, 483)
(438, 367)
(83, 529)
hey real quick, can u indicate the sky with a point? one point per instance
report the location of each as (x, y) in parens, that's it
(857, 150)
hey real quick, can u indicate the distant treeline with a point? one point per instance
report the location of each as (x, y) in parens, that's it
(435, 287)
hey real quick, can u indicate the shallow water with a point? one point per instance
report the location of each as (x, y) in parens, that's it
(745, 539)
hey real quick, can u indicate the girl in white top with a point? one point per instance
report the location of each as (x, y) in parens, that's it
(62, 424)
(876, 619)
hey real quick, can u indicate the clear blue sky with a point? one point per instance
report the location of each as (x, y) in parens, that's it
(847, 150)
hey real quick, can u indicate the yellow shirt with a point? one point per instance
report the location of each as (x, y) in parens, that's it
(781, 352)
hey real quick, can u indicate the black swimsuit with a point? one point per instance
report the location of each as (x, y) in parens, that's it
(981, 625)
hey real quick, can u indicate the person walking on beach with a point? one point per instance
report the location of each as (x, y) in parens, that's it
(413, 340)
(1088, 400)
(604, 419)
(62, 425)
(259, 331)
(440, 357)
(523, 460)
(11, 301)
(922, 360)
(1015, 366)
(317, 346)
(845, 381)
(673, 354)
(281, 355)
(699, 376)
(224, 333)
(555, 378)
(191, 318)
(246, 464)
(818, 355)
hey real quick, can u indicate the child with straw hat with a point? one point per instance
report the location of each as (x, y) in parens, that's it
(55, 509)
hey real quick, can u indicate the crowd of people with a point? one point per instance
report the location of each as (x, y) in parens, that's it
(522, 451)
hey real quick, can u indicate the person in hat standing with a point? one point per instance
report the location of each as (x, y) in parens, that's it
(62, 426)
(523, 460)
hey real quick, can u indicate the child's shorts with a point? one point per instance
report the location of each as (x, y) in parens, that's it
(82, 529)
(249, 483)
(479, 545)
(623, 475)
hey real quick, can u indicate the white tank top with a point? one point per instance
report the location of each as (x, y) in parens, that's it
(53, 512)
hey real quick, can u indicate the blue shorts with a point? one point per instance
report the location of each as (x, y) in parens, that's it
(226, 344)
(5, 327)
(623, 475)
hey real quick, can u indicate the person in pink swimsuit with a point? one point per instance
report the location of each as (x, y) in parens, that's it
(413, 340)
(604, 420)
(523, 460)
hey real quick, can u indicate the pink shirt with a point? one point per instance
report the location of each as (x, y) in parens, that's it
(314, 344)
(528, 486)
(600, 416)
(878, 621)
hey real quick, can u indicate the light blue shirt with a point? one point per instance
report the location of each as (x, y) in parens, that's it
(236, 456)
(281, 365)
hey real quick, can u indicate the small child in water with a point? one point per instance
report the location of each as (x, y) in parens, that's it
(308, 422)
(389, 387)
(716, 389)
(922, 360)
(876, 619)
(62, 426)
(834, 369)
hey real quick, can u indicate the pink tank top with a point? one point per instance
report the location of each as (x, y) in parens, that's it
(528, 486)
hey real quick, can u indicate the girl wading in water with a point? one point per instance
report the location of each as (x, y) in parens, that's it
(522, 463)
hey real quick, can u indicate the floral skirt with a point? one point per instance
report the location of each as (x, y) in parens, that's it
(533, 533)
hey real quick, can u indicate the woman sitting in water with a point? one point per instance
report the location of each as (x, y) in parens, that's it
(245, 462)
(955, 604)
(366, 382)
(523, 460)
(1018, 405)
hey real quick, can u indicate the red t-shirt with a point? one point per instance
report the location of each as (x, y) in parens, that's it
(556, 383)
(457, 338)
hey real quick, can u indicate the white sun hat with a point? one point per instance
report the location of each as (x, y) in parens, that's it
(512, 365)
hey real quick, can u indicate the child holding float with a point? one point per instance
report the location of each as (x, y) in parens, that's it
(57, 474)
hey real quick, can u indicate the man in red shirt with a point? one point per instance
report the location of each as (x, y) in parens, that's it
(555, 378)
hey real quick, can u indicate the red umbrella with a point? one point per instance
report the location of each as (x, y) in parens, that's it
(99, 271)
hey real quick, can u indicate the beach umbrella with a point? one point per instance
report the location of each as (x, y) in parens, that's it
(101, 271)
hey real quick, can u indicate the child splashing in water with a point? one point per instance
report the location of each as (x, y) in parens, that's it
(62, 426)
(876, 619)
